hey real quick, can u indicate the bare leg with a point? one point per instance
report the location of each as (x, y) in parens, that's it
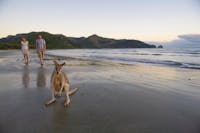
(27, 58)
(42, 57)
(41, 62)
(42, 53)
(67, 102)
(24, 58)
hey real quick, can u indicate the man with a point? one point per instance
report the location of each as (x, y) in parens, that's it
(41, 48)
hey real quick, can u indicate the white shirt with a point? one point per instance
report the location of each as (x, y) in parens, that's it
(24, 45)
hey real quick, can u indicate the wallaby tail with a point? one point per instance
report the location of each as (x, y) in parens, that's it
(73, 91)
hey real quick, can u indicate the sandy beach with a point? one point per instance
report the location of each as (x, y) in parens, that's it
(112, 97)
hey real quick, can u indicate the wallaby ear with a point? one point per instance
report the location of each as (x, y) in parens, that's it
(55, 62)
(63, 63)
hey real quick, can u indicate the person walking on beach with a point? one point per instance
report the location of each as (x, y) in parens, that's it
(41, 48)
(25, 49)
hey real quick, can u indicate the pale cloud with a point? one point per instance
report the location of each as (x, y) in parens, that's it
(194, 38)
(186, 40)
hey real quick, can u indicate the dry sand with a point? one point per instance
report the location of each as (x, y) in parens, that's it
(112, 98)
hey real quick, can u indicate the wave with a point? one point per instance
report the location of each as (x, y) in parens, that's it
(156, 54)
(194, 53)
(174, 58)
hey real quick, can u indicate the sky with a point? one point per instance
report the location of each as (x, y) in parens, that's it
(146, 20)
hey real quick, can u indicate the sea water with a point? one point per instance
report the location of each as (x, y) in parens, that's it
(177, 57)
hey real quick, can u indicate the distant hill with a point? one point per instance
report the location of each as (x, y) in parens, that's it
(59, 41)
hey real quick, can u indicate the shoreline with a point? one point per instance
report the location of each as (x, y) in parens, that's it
(111, 97)
(50, 56)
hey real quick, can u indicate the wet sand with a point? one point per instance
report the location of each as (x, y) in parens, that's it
(112, 98)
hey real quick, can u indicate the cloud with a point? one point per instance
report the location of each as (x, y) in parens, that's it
(186, 40)
(193, 38)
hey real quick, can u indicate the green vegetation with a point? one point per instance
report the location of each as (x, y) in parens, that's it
(58, 41)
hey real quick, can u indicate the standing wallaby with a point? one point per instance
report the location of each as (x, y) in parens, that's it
(60, 83)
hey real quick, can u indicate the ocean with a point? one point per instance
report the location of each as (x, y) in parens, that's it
(176, 57)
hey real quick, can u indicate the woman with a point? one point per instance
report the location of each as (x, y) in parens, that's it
(25, 49)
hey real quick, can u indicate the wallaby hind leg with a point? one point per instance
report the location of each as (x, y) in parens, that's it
(67, 102)
(53, 98)
(50, 101)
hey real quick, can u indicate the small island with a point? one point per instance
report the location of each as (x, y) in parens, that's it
(160, 46)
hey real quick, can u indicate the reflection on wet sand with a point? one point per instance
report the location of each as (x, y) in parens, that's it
(25, 77)
(59, 117)
(41, 77)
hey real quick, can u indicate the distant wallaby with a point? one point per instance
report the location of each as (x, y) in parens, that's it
(60, 83)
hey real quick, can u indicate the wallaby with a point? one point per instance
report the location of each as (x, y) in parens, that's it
(60, 83)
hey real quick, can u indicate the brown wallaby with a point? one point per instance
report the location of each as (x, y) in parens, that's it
(59, 84)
